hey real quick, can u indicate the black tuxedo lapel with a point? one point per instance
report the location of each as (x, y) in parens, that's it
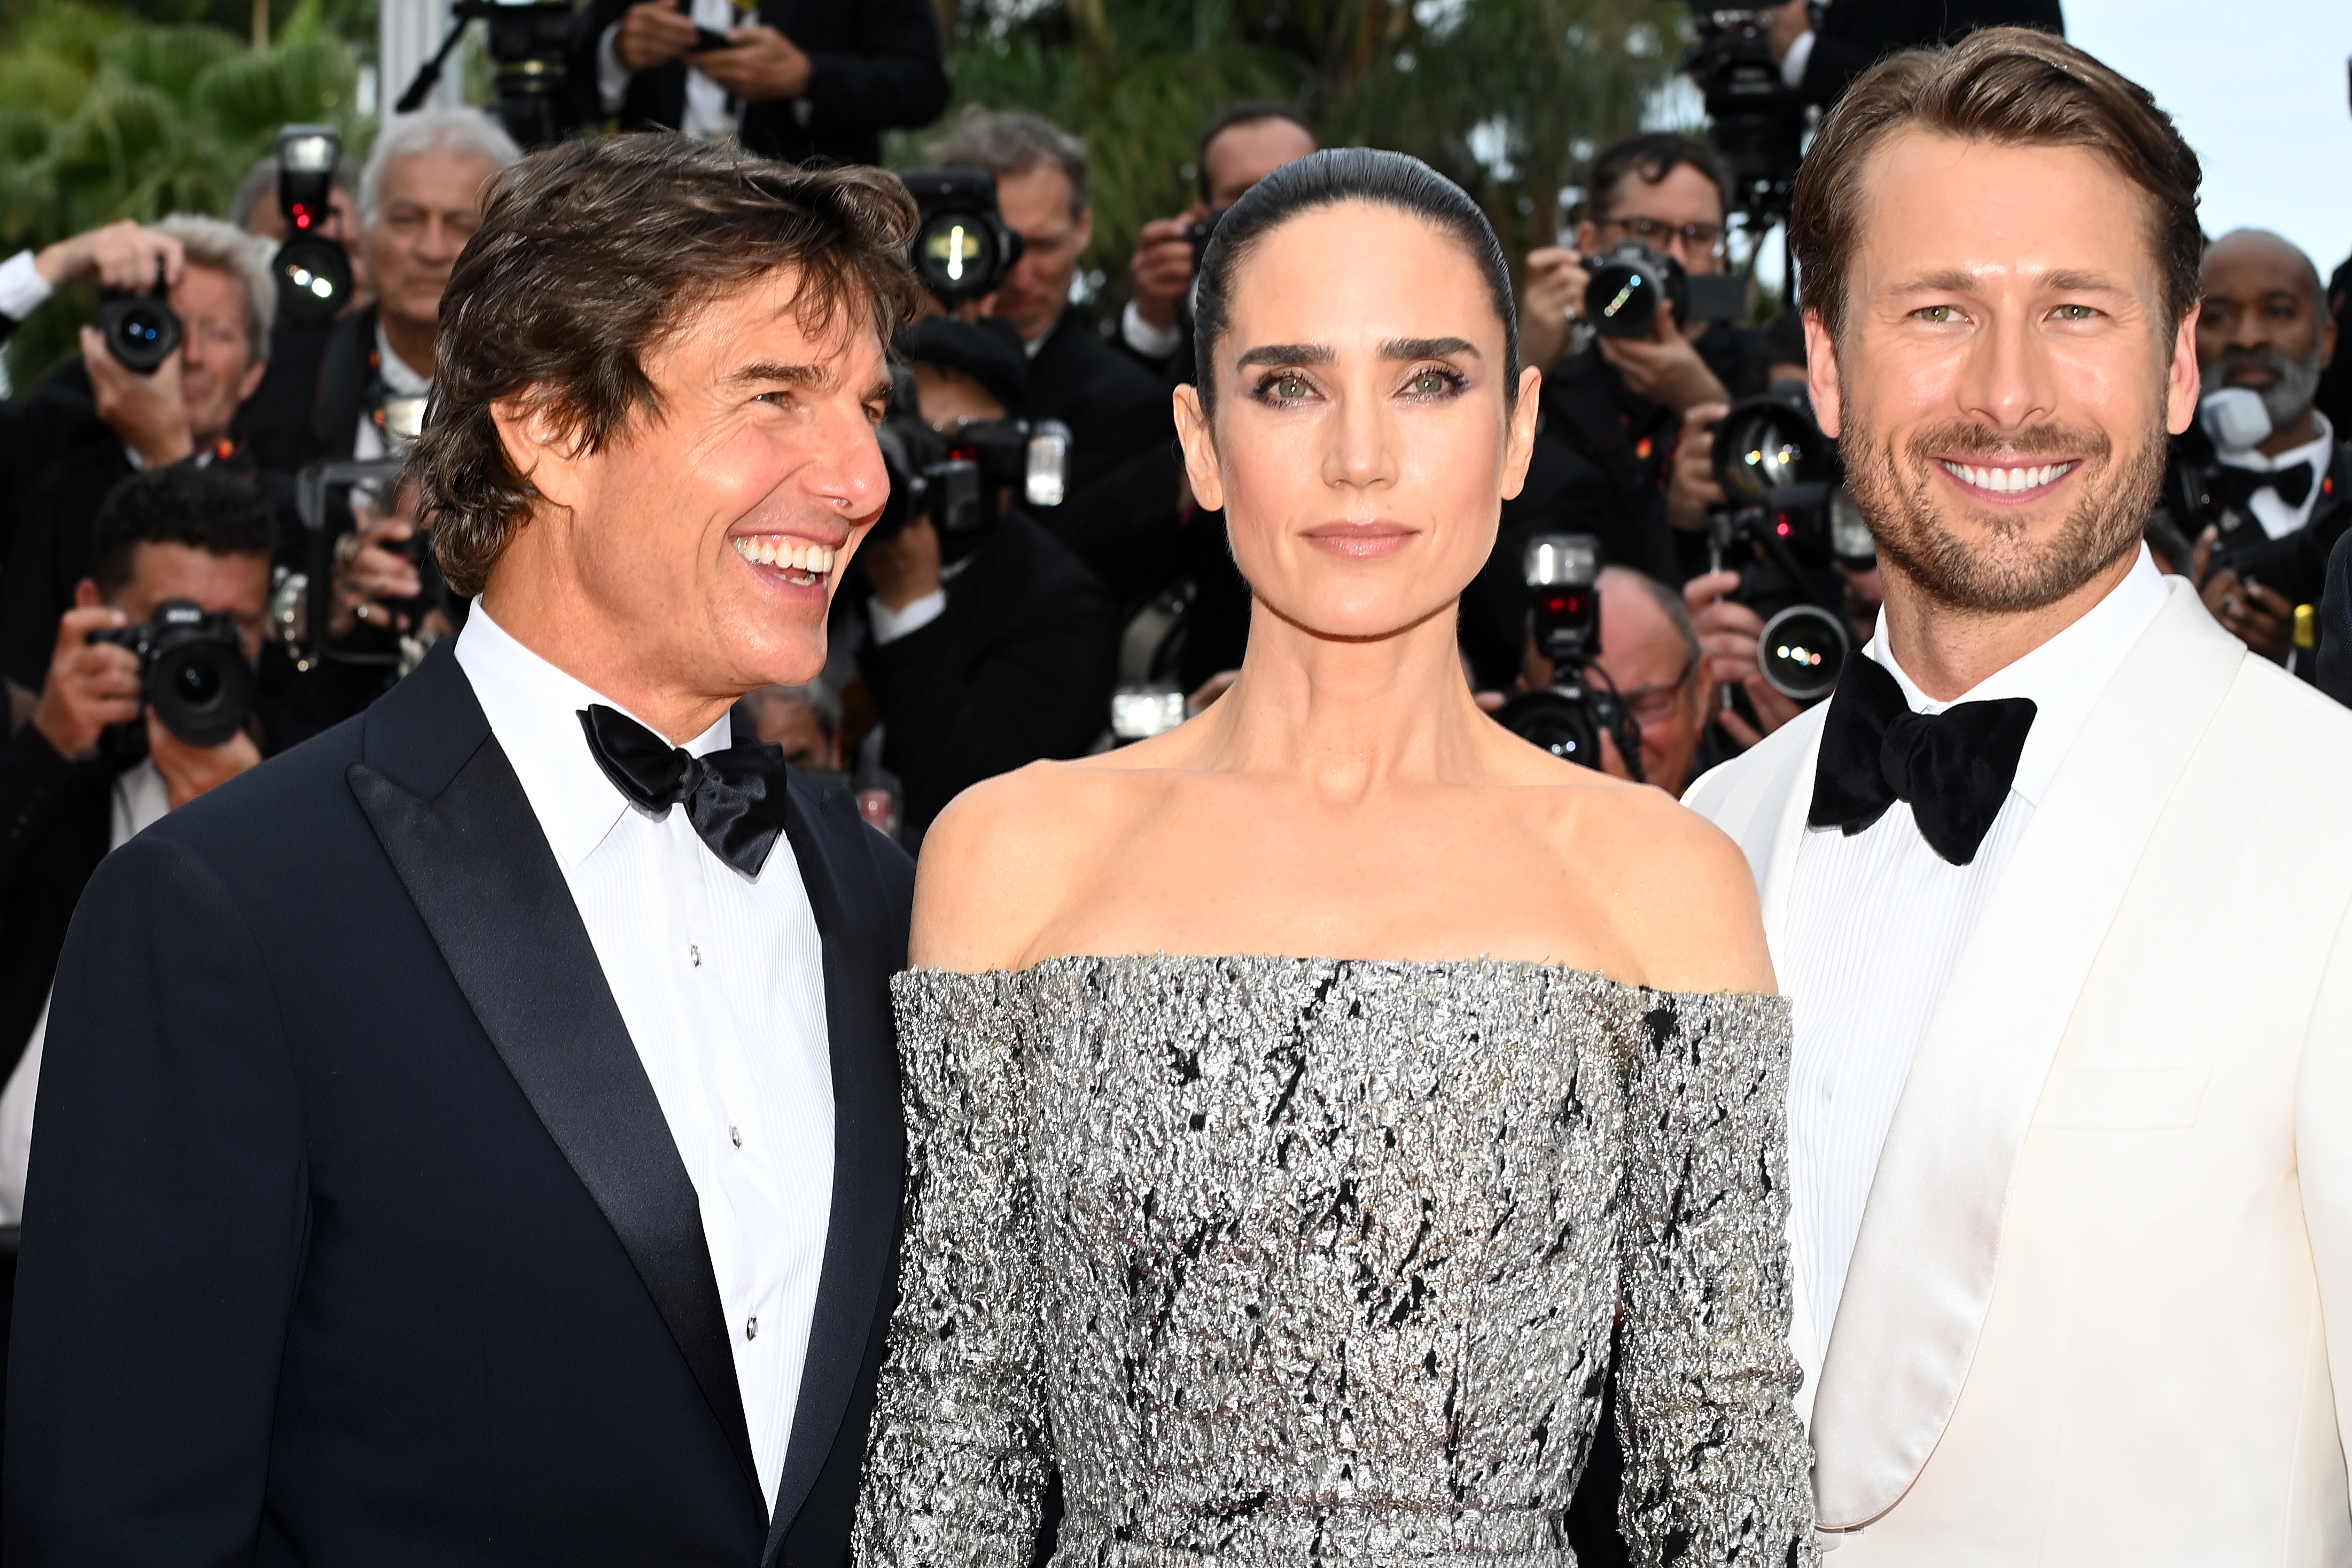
(460, 833)
(868, 1137)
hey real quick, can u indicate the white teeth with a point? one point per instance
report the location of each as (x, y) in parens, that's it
(2007, 481)
(778, 551)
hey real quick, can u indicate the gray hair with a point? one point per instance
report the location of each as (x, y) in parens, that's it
(818, 694)
(262, 181)
(468, 133)
(226, 248)
(1669, 603)
(1008, 141)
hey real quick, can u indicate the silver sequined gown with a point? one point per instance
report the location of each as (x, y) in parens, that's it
(1284, 1261)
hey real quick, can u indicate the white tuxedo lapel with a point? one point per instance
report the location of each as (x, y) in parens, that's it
(1922, 1269)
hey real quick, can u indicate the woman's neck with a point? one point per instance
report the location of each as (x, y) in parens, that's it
(1348, 716)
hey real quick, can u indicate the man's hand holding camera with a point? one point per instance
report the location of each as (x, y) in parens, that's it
(93, 686)
(761, 64)
(122, 256)
(1662, 366)
(372, 567)
(1162, 266)
(1692, 488)
(1728, 633)
(149, 412)
(2255, 613)
(190, 770)
(1553, 296)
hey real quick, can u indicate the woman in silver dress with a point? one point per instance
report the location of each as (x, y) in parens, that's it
(1297, 1101)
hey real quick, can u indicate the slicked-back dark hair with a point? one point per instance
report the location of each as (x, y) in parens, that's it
(591, 255)
(202, 508)
(1328, 179)
(2011, 87)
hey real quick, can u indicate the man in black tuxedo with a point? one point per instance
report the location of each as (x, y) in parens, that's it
(798, 80)
(450, 1150)
(1818, 62)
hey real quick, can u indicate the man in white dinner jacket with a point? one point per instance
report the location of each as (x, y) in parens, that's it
(2058, 881)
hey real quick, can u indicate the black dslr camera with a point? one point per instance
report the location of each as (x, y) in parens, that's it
(141, 330)
(1568, 716)
(1631, 282)
(963, 247)
(1199, 231)
(957, 479)
(1753, 118)
(193, 667)
(1779, 474)
(314, 273)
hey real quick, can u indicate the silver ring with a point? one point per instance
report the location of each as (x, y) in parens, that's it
(2228, 604)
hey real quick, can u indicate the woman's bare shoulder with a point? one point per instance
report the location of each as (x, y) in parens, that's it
(1681, 894)
(1005, 857)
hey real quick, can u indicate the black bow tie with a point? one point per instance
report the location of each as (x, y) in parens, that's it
(2238, 484)
(1954, 767)
(735, 798)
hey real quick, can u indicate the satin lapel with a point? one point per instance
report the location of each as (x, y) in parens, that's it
(481, 874)
(861, 1240)
(1923, 1270)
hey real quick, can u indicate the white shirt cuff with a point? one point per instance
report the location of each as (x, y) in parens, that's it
(889, 624)
(611, 76)
(23, 290)
(1144, 338)
(1793, 63)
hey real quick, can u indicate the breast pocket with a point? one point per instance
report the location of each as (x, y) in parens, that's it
(2122, 1098)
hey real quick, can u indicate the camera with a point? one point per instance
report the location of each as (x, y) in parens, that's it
(2229, 419)
(956, 478)
(1200, 230)
(1756, 121)
(1779, 474)
(530, 46)
(1631, 282)
(141, 330)
(1568, 716)
(192, 668)
(962, 247)
(314, 273)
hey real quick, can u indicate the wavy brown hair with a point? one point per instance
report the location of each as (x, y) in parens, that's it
(591, 254)
(2014, 88)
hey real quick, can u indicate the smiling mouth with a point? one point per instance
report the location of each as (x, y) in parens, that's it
(2007, 481)
(797, 561)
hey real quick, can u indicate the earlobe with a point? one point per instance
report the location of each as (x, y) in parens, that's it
(1522, 445)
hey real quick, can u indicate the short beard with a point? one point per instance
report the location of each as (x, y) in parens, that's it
(2013, 572)
(2292, 386)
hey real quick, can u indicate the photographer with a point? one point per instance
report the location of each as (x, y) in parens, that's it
(274, 423)
(1243, 145)
(798, 81)
(94, 766)
(2273, 509)
(1818, 62)
(1612, 412)
(1121, 514)
(989, 649)
(94, 422)
(1650, 653)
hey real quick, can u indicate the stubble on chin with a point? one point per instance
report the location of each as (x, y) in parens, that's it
(2003, 564)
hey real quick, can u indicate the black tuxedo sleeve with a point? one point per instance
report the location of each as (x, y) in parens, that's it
(892, 77)
(164, 1227)
(2336, 625)
(32, 776)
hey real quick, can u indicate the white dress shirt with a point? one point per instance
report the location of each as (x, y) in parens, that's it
(720, 980)
(1793, 63)
(1152, 342)
(1876, 923)
(400, 380)
(23, 290)
(711, 113)
(2269, 508)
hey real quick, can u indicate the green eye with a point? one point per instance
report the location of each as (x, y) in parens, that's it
(2075, 312)
(1430, 384)
(1291, 387)
(1938, 314)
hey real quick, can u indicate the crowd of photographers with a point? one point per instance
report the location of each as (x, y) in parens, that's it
(209, 554)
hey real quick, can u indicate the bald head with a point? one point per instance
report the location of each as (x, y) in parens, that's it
(2264, 327)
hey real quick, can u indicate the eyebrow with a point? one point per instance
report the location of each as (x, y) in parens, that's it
(769, 371)
(1321, 353)
(1955, 280)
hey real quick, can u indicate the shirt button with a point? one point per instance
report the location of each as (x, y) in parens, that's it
(694, 957)
(752, 1328)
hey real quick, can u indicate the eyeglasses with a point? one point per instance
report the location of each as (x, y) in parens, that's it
(1648, 705)
(1696, 237)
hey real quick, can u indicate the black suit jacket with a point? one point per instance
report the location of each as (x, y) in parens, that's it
(1120, 517)
(1019, 665)
(2336, 625)
(64, 459)
(1856, 35)
(355, 1234)
(874, 66)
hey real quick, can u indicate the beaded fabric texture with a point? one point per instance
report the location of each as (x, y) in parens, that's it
(1287, 1260)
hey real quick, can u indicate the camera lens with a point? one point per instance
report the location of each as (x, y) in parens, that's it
(956, 253)
(140, 330)
(1556, 722)
(1766, 446)
(314, 278)
(1622, 300)
(200, 689)
(1802, 651)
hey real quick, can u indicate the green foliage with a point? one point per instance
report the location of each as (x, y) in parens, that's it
(1508, 97)
(104, 117)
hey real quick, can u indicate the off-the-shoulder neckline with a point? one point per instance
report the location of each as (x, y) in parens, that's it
(1432, 965)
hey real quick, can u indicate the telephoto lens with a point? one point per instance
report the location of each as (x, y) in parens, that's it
(141, 330)
(192, 670)
(1629, 282)
(962, 248)
(1802, 651)
(313, 272)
